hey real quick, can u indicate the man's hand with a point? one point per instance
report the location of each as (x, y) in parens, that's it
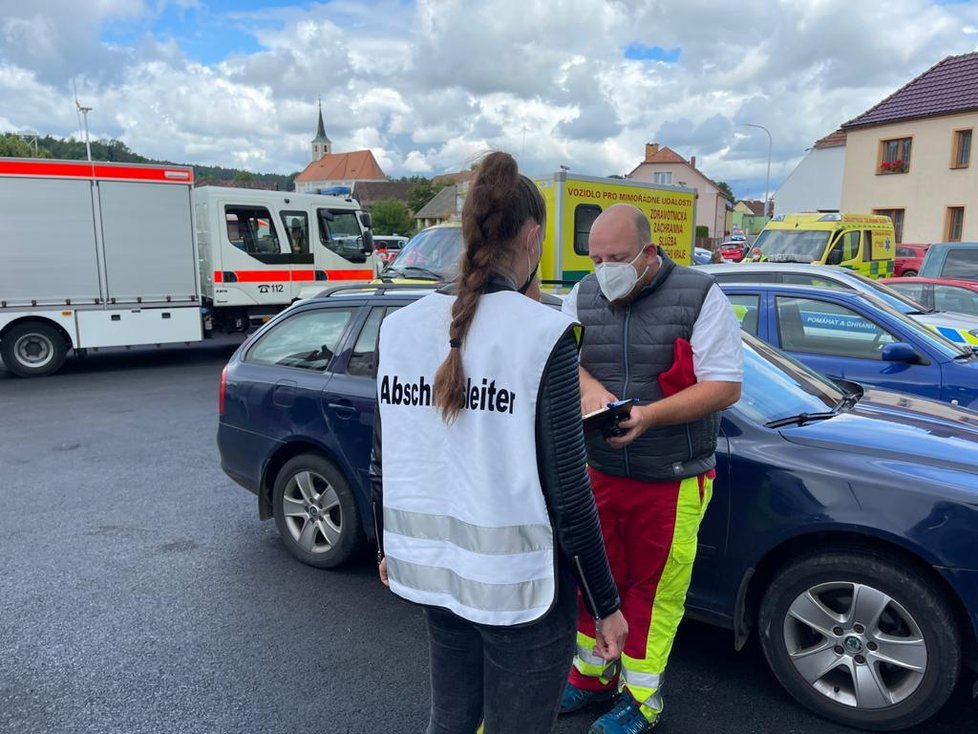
(382, 570)
(594, 395)
(638, 422)
(610, 636)
(596, 399)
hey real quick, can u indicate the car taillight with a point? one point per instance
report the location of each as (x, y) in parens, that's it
(220, 394)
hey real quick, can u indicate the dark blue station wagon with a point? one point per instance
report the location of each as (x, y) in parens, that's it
(842, 529)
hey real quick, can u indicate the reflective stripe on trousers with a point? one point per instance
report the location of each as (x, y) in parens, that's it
(654, 613)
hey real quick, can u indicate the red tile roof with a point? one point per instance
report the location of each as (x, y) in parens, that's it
(665, 154)
(356, 165)
(947, 88)
(832, 140)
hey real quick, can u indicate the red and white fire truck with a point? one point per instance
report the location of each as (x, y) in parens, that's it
(103, 255)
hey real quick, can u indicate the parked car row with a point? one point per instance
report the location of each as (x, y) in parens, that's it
(842, 526)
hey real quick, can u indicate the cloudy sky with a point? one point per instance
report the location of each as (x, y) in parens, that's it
(429, 85)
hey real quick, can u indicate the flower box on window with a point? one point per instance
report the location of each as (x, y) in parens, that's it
(897, 166)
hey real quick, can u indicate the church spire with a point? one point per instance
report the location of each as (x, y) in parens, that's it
(321, 145)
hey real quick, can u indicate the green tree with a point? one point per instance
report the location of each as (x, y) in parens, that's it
(726, 190)
(421, 193)
(15, 147)
(391, 216)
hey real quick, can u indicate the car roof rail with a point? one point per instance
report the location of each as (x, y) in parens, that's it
(376, 288)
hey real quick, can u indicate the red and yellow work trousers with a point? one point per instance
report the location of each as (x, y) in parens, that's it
(650, 532)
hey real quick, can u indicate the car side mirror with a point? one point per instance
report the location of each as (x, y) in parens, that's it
(898, 352)
(835, 257)
(366, 220)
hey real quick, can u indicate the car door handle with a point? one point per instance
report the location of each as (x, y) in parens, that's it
(344, 409)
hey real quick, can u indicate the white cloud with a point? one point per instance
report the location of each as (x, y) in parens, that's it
(432, 85)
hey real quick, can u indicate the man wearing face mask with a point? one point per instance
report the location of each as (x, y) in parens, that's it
(666, 335)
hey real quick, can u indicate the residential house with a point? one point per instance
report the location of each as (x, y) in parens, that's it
(369, 193)
(330, 170)
(445, 206)
(662, 165)
(912, 155)
(748, 217)
(816, 182)
(459, 177)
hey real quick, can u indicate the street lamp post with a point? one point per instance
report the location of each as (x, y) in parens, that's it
(767, 182)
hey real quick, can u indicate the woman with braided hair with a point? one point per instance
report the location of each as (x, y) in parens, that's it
(481, 498)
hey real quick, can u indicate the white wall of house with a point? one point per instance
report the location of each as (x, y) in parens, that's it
(929, 186)
(815, 183)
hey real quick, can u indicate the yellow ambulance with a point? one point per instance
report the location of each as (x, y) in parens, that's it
(573, 203)
(865, 243)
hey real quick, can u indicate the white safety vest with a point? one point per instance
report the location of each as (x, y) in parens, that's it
(465, 521)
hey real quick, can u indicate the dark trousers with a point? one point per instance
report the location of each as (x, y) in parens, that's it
(512, 677)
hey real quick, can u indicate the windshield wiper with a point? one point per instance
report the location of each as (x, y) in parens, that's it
(801, 419)
(419, 273)
(852, 393)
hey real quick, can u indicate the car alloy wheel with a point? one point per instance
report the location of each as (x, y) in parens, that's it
(312, 512)
(855, 645)
(860, 638)
(315, 512)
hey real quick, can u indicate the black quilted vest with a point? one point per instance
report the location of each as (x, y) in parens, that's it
(626, 348)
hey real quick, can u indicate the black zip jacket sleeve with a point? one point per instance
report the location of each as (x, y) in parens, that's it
(562, 465)
(563, 476)
(377, 485)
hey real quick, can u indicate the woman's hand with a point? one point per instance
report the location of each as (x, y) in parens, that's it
(610, 636)
(382, 570)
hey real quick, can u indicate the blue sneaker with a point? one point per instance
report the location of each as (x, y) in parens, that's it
(575, 699)
(625, 718)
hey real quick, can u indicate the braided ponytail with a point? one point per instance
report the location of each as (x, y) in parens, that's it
(498, 204)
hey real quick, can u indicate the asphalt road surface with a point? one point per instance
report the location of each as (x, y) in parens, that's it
(140, 593)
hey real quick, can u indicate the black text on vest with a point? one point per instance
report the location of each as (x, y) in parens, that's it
(484, 396)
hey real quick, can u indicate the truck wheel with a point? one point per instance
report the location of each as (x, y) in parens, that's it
(315, 512)
(909, 273)
(861, 640)
(33, 349)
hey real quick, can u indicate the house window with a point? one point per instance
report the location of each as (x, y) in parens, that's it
(894, 156)
(896, 216)
(662, 177)
(953, 223)
(961, 157)
(584, 216)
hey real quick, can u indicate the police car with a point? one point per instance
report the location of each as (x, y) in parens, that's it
(841, 529)
(855, 336)
(961, 328)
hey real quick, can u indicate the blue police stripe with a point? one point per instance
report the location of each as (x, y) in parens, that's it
(951, 334)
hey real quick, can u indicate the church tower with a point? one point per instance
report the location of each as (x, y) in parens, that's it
(321, 145)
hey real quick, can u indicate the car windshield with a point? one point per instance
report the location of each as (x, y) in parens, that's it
(791, 245)
(777, 387)
(435, 250)
(900, 302)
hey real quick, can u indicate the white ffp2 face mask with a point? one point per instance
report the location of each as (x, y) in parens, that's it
(617, 280)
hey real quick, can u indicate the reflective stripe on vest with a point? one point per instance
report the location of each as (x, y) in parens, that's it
(492, 541)
(466, 525)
